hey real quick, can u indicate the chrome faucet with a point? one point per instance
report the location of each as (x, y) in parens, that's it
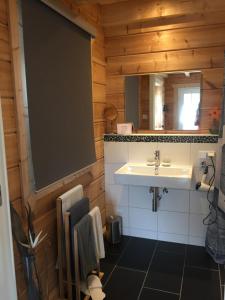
(157, 162)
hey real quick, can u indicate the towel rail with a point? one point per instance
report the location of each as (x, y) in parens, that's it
(64, 249)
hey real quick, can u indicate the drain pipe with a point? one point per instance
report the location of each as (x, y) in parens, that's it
(156, 197)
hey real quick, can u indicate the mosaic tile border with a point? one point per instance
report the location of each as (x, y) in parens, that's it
(162, 138)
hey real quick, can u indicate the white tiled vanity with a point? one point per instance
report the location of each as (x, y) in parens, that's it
(180, 212)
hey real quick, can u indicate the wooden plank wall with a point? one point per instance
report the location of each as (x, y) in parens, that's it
(45, 212)
(170, 35)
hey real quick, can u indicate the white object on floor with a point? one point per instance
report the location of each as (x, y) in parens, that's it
(92, 287)
(71, 197)
(98, 232)
(95, 288)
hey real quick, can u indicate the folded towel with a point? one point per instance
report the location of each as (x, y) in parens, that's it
(68, 200)
(86, 247)
(98, 232)
(77, 212)
(71, 197)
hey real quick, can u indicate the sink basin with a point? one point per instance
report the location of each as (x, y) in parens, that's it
(175, 176)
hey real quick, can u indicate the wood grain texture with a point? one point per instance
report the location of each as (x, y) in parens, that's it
(143, 11)
(9, 115)
(166, 40)
(99, 130)
(191, 59)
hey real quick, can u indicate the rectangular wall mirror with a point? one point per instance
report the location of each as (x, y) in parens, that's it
(164, 101)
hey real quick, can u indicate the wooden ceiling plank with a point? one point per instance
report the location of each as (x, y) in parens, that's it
(131, 12)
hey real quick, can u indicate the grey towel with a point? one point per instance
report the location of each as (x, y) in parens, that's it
(77, 212)
(86, 247)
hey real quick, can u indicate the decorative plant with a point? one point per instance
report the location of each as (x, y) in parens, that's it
(26, 245)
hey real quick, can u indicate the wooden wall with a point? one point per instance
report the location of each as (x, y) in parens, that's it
(45, 212)
(168, 35)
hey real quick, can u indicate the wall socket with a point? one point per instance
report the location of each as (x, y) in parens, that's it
(206, 154)
(204, 157)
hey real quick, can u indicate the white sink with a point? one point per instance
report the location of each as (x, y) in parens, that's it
(175, 176)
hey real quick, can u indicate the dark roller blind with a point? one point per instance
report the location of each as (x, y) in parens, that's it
(59, 90)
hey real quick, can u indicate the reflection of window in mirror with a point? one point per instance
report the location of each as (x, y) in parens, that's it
(188, 106)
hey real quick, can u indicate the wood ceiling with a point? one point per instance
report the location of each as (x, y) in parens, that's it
(101, 2)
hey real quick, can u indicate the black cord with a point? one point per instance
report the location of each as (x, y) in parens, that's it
(211, 207)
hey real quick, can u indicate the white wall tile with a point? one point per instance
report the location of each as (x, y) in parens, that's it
(141, 152)
(140, 197)
(199, 203)
(115, 152)
(218, 162)
(175, 200)
(178, 153)
(116, 195)
(147, 234)
(109, 172)
(143, 219)
(196, 241)
(196, 227)
(173, 222)
(120, 211)
(126, 230)
(171, 237)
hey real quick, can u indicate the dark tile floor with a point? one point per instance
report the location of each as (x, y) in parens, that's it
(142, 269)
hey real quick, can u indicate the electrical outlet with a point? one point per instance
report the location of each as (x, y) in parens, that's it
(211, 154)
(202, 155)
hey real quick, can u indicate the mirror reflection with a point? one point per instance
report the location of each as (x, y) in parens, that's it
(164, 101)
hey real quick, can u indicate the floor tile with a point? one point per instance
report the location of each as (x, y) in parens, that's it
(107, 269)
(171, 247)
(148, 294)
(117, 248)
(124, 284)
(198, 257)
(165, 272)
(138, 254)
(199, 284)
(111, 258)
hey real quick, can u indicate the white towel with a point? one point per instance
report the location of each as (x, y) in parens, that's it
(98, 232)
(71, 197)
